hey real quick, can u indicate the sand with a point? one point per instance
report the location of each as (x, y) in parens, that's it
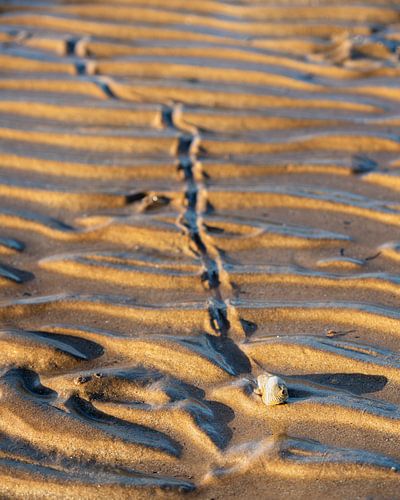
(193, 193)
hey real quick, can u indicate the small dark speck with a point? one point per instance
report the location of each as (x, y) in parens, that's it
(82, 380)
(27, 294)
(342, 252)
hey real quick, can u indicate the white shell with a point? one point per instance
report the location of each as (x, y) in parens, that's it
(272, 389)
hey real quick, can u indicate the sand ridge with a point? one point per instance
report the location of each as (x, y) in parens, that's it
(192, 193)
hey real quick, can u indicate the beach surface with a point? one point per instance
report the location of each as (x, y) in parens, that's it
(191, 194)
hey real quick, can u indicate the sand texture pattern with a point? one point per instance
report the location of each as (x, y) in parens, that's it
(193, 193)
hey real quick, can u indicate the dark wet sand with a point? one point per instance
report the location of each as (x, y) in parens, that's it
(192, 193)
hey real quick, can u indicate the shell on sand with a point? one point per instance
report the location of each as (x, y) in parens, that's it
(272, 389)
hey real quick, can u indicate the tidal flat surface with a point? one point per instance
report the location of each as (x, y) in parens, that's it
(193, 193)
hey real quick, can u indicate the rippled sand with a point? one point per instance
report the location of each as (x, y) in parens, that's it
(193, 193)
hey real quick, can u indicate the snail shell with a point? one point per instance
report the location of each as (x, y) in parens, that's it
(272, 389)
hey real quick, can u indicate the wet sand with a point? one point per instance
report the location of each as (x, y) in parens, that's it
(193, 193)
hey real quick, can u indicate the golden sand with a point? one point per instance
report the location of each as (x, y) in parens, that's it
(193, 193)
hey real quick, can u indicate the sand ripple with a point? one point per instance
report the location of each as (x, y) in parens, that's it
(191, 193)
